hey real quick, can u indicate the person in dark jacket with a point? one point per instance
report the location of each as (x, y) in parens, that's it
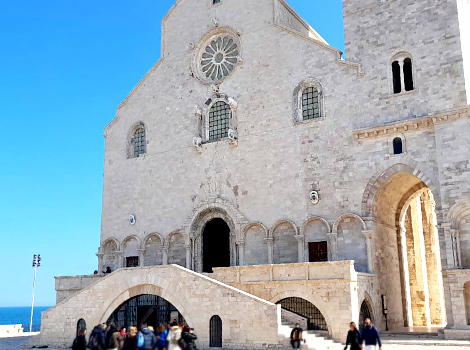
(130, 343)
(149, 338)
(296, 337)
(188, 338)
(80, 342)
(370, 335)
(354, 338)
(97, 339)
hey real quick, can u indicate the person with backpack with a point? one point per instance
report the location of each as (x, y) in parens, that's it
(146, 339)
(97, 339)
(162, 343)
(187, 340)
(174, 336)
(80, 342)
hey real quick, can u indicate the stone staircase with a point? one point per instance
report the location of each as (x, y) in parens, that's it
(421, 339)
(313, 340)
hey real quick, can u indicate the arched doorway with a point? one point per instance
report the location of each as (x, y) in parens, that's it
(215, 328)
(304, 308)
(147, 308)
(365, 313)
(216, 245)
(407, 245)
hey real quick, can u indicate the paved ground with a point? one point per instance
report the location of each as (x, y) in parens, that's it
(20, 343)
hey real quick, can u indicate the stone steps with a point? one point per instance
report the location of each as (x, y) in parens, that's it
(312, 340)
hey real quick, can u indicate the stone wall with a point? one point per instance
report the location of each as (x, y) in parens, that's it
(248, 321)
(67, 286)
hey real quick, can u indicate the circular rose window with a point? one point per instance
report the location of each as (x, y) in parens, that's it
(217, 58)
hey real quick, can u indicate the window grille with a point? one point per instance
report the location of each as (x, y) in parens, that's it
(215, 340)
(132, 261)
(140, 146)
(219, 121)
(310, 103)
(304, 308)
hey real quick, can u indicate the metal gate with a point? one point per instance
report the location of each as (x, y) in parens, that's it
(215, 332)
(306, 309)
(150, 309)
(364, 314)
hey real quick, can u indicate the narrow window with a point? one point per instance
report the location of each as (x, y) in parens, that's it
(215, 2)
(396, 77)
(219, 120)
(397, 145)
(310, 103)
(215, 329)
(140, 146)
(408, 74)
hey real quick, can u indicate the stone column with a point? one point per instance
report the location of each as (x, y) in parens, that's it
(370, 264)
(333, 245)
(269, 244)
(241, 253)
(121, 259)
(100, 261)
(141, 257)
(300, 247)
(188, 256)
(165, 250)
(456, 251)
(401, 63)
(449, 252)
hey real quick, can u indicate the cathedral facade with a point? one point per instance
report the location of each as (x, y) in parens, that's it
(256, 156)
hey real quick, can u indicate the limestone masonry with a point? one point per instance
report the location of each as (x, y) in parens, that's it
(297, 185)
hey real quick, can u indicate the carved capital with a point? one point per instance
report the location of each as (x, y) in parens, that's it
(368, 234)
(240, 243)
(299, 238)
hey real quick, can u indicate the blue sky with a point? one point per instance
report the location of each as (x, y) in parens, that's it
(64, 68)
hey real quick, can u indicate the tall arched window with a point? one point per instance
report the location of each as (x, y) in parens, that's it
(215, 335)
(81, 324)
(139, 142)
(308, 101)
(219, 120)
(402, 73)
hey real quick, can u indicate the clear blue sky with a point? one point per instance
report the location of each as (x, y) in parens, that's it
(64, 68)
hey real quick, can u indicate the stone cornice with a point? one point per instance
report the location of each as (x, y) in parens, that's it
(412, 124)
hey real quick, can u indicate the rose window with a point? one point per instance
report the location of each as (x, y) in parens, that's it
(217, 58)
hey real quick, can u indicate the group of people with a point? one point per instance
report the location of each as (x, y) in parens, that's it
(368, 336)
(170, 337)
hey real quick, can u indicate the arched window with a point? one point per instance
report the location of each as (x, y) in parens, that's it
(310, 103)
(402, 73)
(215, 335)
(81, 324)
(139, 142)
(396, 77)
(219, 120)
(397, 145)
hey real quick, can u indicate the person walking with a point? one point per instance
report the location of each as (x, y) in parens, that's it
(149, 340)
(162, 334)
(188, 339)
(370, 335)
(130, 343)
(97, 339)
(296, 337)
(80, 342)
(354, 338)
(174, 336)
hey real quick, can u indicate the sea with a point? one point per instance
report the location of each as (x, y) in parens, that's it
(22, 315)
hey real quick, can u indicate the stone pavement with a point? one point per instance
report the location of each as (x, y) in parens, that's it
(21, 343)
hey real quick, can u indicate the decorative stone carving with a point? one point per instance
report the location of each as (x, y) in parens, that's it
(217, 55)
